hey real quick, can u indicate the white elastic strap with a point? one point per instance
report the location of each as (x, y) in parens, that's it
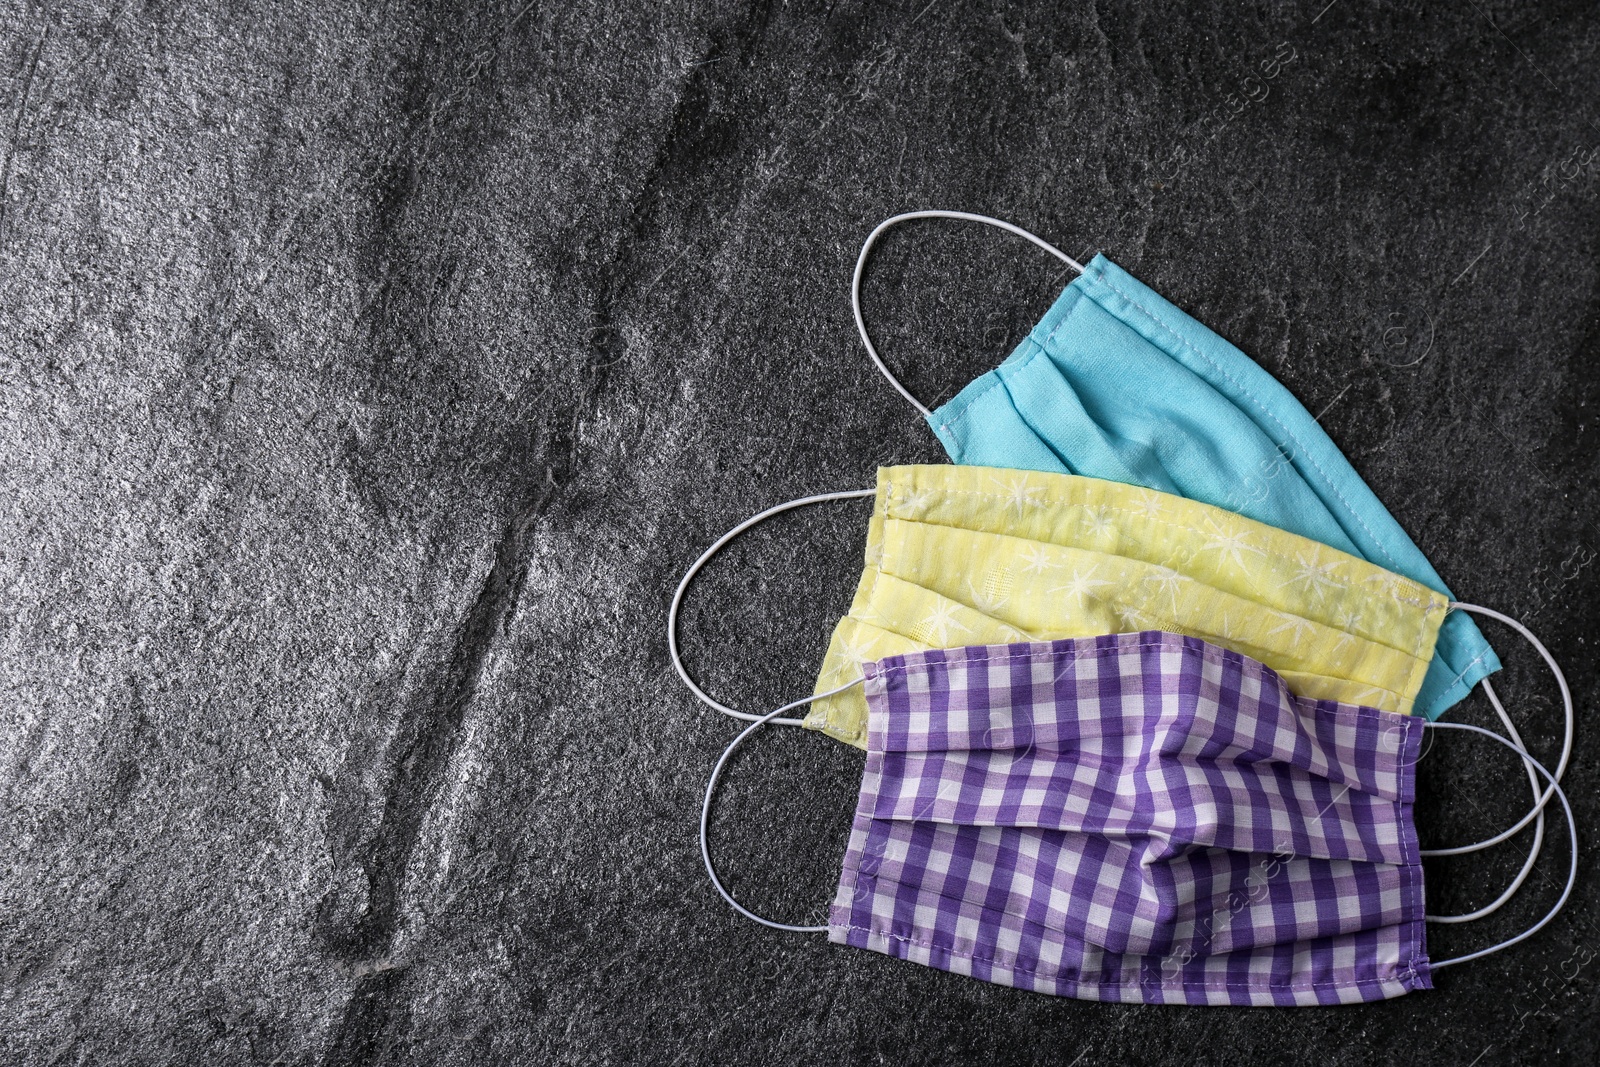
(677, 597)
(1566, 744)
(1572, 832)
(711, 787)
(1538, 828)
(861, 263)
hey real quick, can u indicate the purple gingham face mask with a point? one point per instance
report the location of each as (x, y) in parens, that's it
(1137, 817)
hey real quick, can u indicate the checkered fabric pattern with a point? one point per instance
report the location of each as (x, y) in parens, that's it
(1134, 817)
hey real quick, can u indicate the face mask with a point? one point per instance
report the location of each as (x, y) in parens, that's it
(974, 555)
(1117, 383)
(1142, 818)
(963, 555)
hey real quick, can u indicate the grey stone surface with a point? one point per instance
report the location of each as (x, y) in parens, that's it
(368, 375)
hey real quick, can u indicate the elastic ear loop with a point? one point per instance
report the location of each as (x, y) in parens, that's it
(1538, 830)
(861, 263)
(1537, 812)
(1566, 744)
(1572, 832)
(711, 787)
(688, 576)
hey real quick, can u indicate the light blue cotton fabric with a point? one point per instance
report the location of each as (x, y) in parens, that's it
(1115, 382)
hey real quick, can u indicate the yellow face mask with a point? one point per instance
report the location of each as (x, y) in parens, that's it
(961, 555)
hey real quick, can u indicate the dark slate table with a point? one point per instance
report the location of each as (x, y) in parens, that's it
(369, 374)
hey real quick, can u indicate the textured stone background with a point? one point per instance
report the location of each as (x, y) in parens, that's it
(369, 374)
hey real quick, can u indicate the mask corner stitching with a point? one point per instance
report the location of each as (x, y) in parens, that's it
(958, 413)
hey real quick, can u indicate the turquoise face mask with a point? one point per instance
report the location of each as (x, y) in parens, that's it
(1116, 383)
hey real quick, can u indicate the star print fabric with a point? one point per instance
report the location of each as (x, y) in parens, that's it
(962, 555)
